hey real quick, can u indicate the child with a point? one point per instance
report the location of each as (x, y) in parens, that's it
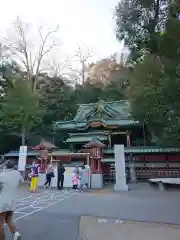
(75, 178)
(75, 181)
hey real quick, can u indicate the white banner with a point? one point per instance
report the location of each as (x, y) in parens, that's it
(22, 158)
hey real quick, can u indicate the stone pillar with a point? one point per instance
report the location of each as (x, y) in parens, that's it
(128, 140)
(120, 169)
(132, 169)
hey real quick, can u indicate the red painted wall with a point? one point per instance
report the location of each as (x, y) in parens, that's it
(156, 158)
(63, 159)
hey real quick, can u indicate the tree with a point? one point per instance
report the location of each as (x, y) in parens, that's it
(154, 97)
(154, 91)
(82, 55)
(114, 91)
(58, 69)
(20, 110)
(89, 93)
(60, 103)
(139, 23)
(30, 53)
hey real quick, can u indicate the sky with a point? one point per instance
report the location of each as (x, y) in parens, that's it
(82, 22)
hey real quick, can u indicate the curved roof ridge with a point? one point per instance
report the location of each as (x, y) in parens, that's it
(107, 102)
(62, 121)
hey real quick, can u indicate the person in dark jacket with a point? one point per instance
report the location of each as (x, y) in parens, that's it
(60, 179)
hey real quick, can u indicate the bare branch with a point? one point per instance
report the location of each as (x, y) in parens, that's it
(31, 53)
(82, 56)
(57, 69)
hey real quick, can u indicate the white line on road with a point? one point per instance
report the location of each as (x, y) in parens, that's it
(41, 200)
(52, 196)
(20, 209)
(19, 212)
(49, 205)
(35, 207)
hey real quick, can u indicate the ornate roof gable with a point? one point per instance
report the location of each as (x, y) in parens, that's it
(116, 113)
(111, 110)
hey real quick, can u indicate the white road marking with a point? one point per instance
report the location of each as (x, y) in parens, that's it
(35, 207)
(25, 197)
(101, 220)
(52, 196)
(42, 208)
(118, 221)
(32, 204)
(20, 209)
(19, 212)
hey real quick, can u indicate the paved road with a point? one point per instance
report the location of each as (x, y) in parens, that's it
(35, 222)
(92, 228)
(56, 215)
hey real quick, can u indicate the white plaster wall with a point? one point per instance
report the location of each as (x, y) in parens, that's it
(67, 177)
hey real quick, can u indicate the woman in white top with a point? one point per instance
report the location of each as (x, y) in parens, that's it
(9, 181)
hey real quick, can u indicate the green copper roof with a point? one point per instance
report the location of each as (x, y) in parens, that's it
(60, 152)
(109, 113)
(92, 133)
(85, 125)
(108, 160)
(119, 109)
(84, 139)
(145, 149)
(30, 153)
(151, 150)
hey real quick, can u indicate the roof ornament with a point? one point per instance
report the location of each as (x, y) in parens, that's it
(100, 106)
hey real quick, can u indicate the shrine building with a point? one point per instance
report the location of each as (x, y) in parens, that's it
(97, 127)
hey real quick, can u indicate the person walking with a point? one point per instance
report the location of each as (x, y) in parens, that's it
(83, 176)
(60, 179)
(49, 176)
(34, 176)
(9, 181)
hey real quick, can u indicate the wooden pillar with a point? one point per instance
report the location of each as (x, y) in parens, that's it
(41, 165)
(94, 165)
(109, 141)
(88, 161)
(99, 165)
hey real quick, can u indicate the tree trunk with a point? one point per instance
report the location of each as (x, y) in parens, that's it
(23, 136)
(83, 72)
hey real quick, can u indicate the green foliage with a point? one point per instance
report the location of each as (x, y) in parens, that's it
(88, 93)
(139, 23)
(60, 103)
(154, 90)
(155, 99)
(20, 110)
